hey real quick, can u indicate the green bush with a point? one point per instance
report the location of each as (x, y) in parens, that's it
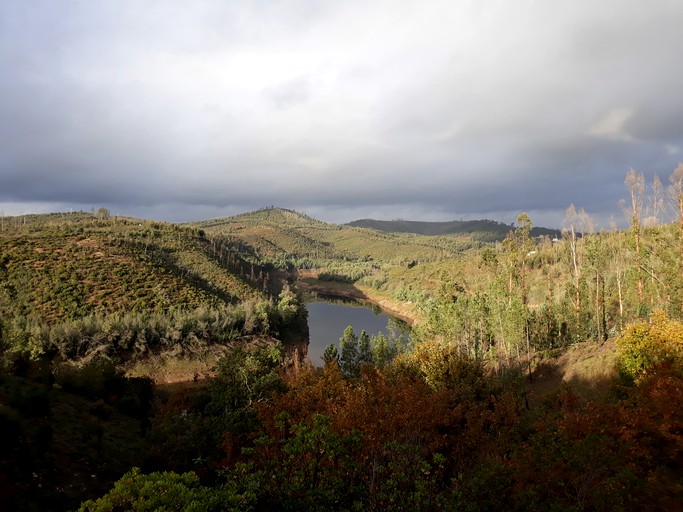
(167, 491)
(645, 345)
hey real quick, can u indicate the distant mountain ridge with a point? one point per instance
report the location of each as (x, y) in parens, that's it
(488, 230)
(290, 223)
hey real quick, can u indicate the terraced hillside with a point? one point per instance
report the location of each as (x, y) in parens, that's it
(79, 286)
(64, 266)
(278, 235)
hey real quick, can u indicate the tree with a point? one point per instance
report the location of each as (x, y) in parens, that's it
(519, 244)
(636, 184)
(167, 491)
(246, 375)
(382, 352)
(331, 354)
(676, 193)
(364, 349)
(348, 347)
(581, 222)
(646, 345)
(596, 253)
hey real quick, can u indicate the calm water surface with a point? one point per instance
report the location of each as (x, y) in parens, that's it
(327, 321)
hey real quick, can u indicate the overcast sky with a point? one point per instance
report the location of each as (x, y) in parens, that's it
(414, 109)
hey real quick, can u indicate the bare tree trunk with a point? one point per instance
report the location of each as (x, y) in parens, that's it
(676, 192)
(577, 302)
(598, 318)
(636, 183)
(621, 301)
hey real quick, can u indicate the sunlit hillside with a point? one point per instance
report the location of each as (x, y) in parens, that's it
(65, 266)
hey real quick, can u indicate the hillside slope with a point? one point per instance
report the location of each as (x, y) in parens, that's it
(65, 266)
(278, 234)
(483, 230)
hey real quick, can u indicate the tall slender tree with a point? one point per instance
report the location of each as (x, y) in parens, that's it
(676, 193)
(635, 181)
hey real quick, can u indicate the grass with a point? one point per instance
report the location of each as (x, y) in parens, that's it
(589, 368)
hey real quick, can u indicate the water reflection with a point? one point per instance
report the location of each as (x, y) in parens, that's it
(327, 321)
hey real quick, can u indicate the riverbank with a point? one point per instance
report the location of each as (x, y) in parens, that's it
(308, 282)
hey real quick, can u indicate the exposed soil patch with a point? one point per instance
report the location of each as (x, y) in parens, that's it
(587, 367)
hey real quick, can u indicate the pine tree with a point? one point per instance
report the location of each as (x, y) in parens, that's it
(348, 348)
(364, 349)
(331, 354)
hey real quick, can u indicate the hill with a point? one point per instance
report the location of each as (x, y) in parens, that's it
(512, 338)
(482, 230)
(63, 266)
(280, 236)
(79, 286)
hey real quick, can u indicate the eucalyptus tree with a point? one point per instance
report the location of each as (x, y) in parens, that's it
(676, 194)
(635, 182)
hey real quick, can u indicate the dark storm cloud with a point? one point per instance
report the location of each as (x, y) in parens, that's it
(392, 109)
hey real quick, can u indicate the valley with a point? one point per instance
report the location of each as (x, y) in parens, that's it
(180, 346)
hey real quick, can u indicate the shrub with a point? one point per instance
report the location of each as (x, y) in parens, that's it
(166, 491)
(646, 345)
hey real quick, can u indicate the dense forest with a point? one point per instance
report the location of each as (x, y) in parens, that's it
(455, 420)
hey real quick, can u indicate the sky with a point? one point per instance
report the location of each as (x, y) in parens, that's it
(412, 109)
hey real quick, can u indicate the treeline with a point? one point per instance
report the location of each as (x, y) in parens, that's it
(528, 294)
(358, 351)
(126, 336)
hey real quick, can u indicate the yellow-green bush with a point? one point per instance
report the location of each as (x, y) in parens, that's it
(645, 345)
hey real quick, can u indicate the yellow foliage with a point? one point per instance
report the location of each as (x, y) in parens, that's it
(645, 345)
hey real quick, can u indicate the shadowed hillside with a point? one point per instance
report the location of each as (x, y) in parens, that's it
(482, 230)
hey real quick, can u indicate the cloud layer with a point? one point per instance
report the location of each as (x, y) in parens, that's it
(403, 108)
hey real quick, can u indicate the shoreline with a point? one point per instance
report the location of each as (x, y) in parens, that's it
(401, 310)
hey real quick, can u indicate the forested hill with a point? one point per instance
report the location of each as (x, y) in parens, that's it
(65, 266)
(284, 237)
(484, 230)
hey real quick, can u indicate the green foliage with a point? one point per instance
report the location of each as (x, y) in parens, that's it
(246, 375)
(136, 335)
(348, 353)
(382, 351)
(646, 345)
(443, 366)
(284, 238)
(311, 467)
(331, 354)
(98, 378)
(167, 491)
(198, 433)
(340, 278)
(71, 266)
(364, 350)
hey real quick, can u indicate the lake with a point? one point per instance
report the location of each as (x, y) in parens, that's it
(327, 321)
